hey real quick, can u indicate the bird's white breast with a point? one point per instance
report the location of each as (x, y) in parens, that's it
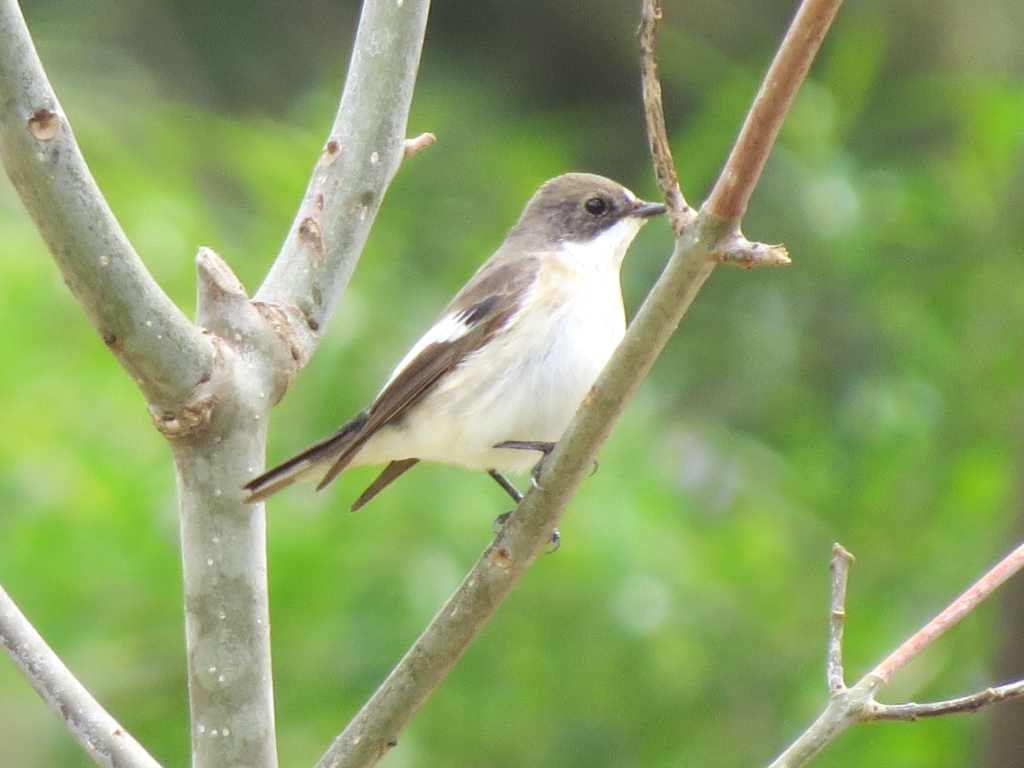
(528, 381)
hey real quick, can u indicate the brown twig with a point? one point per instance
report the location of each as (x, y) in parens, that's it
(956, 610)
(841, 561)
(680, 213)
(740, 175)
(729, 198)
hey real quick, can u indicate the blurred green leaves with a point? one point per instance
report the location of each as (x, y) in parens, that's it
(869, 393)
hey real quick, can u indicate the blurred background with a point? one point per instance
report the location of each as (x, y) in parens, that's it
(871, 393)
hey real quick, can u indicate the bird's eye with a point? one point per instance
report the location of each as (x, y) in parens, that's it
(596, 206)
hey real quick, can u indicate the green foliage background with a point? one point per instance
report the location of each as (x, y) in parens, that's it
(868, 394)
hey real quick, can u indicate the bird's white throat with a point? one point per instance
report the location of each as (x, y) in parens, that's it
(606, 251)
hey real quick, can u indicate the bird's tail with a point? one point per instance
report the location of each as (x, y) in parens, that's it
(318, 457)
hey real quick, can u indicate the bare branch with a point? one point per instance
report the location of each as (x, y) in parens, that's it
(841, 561)
(166, 354)
(680, 213)
(733, 248)
(972, 703)
(362, 153)
(377, 726)
(956, 610)
(223, 541)
(847, 706)
(102, 738)
(729, 198)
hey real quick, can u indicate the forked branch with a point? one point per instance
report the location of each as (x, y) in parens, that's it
(857, 703)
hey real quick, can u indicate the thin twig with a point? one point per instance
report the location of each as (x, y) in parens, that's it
(756, 136)
(729, 198)
(418, 144)
(841, 561)
(737, 251)
(102, 738)
(680, 213)
(847, 706)
(956, 610)
(974, 702)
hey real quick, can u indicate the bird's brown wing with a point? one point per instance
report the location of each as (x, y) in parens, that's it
(482, 308)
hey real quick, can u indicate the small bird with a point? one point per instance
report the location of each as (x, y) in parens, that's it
(497, 378)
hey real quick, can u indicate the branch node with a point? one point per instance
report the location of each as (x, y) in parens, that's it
(737, 251)
(501, 557)
(195, 415)
(332, 151)
(312, 234)
(190, 420)
(44, 124)
(277, 318)
(421, 142)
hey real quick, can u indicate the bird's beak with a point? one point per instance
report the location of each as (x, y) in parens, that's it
(645, 210)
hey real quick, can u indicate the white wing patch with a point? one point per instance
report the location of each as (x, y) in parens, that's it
(447, 329)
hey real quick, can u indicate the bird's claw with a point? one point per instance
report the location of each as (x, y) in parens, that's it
(500, 520)
(553, 544)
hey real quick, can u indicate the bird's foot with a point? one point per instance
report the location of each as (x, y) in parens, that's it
(553, 544)
(531, 445)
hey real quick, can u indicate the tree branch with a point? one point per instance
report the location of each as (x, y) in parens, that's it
(166, 354)
(956, 610)
(363, 151)
(209, 389)
(728, 200)
(847, 706)
(841, 562)
(102, 738)
(755, 136)
(223, 541)
(679, 211)
(377, 726)
(972, 703)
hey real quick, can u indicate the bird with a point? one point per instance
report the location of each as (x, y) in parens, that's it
(495, 381)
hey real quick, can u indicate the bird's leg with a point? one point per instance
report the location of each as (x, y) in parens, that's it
(531, 445)
(504, 482)
(511, 490)
(544, 448)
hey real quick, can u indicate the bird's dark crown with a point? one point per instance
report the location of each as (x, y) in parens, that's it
(577, 207)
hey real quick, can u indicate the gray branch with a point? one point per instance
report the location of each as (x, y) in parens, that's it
(264, 343)
(857, 704)
(834, 675)
(210, 386)
(362, 153)
(101, 737)
(972, 703)
(223, 541)
(165, 354)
